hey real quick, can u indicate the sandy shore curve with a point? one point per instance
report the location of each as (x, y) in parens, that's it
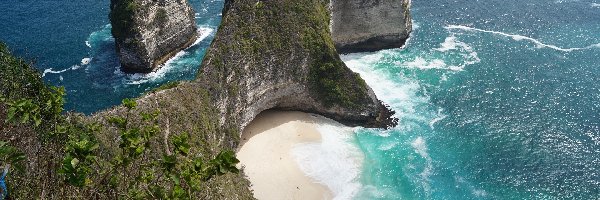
(265, 154)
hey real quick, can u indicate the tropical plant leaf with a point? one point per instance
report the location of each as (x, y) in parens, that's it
(74, 162)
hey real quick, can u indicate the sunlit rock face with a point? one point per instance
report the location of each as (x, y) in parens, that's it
(369, 25)
(148, 32)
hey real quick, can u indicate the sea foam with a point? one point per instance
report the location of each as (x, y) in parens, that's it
(516, 37)
(51, 71)
(387, 90)
(400, 92)
(334, 162)
(450, 50)
(86, 61)
(420, 147)
(452, 43)
(404, 94)
(140, 78)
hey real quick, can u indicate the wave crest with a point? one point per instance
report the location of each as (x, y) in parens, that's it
(334, 162)
(516, 37)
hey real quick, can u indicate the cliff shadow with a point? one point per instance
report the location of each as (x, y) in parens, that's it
(273, 118)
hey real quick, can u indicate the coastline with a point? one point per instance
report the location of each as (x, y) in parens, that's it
(296, 155)
(266, 155)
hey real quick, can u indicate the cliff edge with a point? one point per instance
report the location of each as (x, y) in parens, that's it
(370, 25)
(163, 145)
(147, 33)
(284, 58)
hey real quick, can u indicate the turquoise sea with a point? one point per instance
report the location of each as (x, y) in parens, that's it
(496, 99)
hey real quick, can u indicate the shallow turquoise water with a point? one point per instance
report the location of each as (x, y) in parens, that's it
(496, 99)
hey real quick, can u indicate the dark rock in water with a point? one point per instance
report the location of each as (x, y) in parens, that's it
(147, 33)
(369, 25)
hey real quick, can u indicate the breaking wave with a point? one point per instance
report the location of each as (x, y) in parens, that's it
(169, 65)
(515, 37)
(334, 162)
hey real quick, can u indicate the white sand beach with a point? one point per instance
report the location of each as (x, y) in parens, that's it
(266, 154)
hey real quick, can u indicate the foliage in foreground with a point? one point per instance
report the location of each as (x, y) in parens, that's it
(64, 153)
(11, 155)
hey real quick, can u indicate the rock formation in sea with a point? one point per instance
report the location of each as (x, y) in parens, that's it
(370, 25)
(284, 58)
(147, 33)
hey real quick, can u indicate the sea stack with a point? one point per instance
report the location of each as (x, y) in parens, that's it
(284, 58)
(147, 33)
(369, 25)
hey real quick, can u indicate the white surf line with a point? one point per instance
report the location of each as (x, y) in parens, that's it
(334, 162)
(521, 37)
(139, 78)
(204, 33)
(84, 61)
(50, 71)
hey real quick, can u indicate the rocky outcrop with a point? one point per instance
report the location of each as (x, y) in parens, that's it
(265, 55)
(369, 25)
(147, 33)
(284, 58)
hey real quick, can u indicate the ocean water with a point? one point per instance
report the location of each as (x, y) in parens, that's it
(70, 42)
(496, 99)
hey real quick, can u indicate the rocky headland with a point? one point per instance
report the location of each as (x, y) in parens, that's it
(284, 58)
(147, 33)
(265, 55)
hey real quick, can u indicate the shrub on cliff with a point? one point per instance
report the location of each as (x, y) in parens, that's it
(64, 158)
(121, 17)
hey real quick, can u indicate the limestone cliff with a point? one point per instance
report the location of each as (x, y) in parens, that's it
(147, 33)
(369, 25)
(265, 55)
(284, 58)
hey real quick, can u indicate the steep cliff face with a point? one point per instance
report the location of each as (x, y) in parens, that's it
(265, 55)
(284, 58)
(369, 25)
(147, 33)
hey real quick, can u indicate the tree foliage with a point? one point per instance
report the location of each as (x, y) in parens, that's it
(11, 155)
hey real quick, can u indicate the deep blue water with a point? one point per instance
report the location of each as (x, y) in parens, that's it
(62, 36)
(496, 99)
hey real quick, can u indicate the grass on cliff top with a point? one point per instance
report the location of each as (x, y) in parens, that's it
(18, 79)
(25, 99)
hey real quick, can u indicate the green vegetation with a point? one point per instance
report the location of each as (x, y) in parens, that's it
(122, 17)
(79, 155)
(11, 155)
(26, 110)
(329, 77)
(284, 33)
(66, 155)
(23, 110)
(161, 16)
(28, 99)
(182, 172)
(174, 144)
(166, 86)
